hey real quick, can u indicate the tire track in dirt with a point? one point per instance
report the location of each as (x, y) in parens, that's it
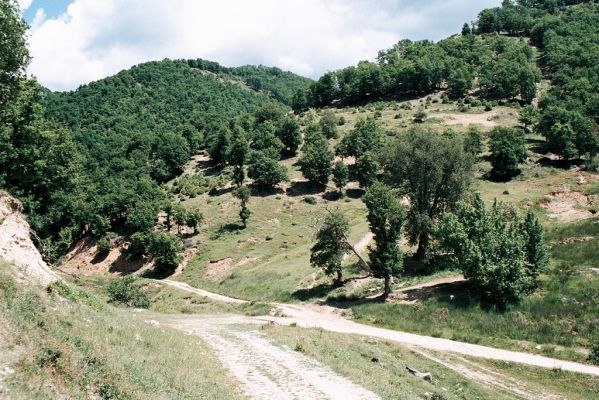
(266, 371)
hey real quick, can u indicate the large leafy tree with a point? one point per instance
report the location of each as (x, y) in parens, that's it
(265, 171)
(500, 253)
(329, 249)
(290, 135)
(385, 217)
(315, 161)
(507, 151)
(366, 136)
(434, 171)
(14, 56)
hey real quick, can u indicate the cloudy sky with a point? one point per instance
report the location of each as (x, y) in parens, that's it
(77, 41)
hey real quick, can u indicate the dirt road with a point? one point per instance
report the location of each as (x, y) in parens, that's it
(329, 318)
(266, 371)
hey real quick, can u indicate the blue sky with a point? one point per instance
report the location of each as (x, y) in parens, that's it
(74, 42)
(52, 8)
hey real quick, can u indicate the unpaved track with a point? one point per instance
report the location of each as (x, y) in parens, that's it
(328, 318)
(266, 371)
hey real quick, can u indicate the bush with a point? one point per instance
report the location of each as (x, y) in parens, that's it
(310, 200)
(104, 245)
(420, 116)
(125, 291)
(488, 106)
(594, 355)
(341, 121)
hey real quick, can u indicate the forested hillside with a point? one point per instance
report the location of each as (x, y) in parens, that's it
(91, 160)
(493, 60)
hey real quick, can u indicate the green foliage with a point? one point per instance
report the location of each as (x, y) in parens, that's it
(315, 161)
(473, 141)
(505, 68)
(143, 217)
(366, 136)
(501, 254)
(289, 133)
(194, 219)
(508, 149)
(266, 171)
(165, 247)
(104, 245)
(594, 355)
(568, 133)
(139, 245)
(367, 169)
(14, 56)
(528, 116)
(329, 249)
(126, 291)
(243, 194)
(328, 124)
(435, 172)
(385, 218)
(420, 116)
(340, 174)
(570, 109)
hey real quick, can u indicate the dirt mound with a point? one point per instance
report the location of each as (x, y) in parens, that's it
(218, 269)
(83, 258)
(16, 245)
(568, 206)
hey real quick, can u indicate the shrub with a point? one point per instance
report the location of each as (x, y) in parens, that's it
(420, 116)
(594, 355)
(104, 245)
(125, 291)
(341, 121)
(310, 200)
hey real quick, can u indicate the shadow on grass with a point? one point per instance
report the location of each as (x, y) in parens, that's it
(561, 164)
(317, 291)
(265, 192)
(158, 272)
(332, 196)
(301, 188)
(226, 228)
(354, 193)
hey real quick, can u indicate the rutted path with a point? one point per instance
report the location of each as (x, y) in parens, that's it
(328, 318)
(266, 371)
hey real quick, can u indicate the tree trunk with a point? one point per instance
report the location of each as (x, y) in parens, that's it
(339, 279)
(387, 286)
(422, 247)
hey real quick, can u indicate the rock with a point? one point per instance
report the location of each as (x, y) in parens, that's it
(423, 375)
(17, 247)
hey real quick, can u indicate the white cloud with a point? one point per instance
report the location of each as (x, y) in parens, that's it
(25, 4)
(93, 39)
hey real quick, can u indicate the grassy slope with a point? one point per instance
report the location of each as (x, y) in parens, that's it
(84, 349)
(282, 270)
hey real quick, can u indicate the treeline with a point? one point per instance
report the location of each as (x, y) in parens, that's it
(499, 67)
(274, 82)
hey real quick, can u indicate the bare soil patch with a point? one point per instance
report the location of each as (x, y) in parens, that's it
(218, 269)
(488, 119)
(568, 206)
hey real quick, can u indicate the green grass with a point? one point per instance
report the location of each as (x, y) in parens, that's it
(561, 316)
(571, 385)
(352, 356)
(69, 350)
